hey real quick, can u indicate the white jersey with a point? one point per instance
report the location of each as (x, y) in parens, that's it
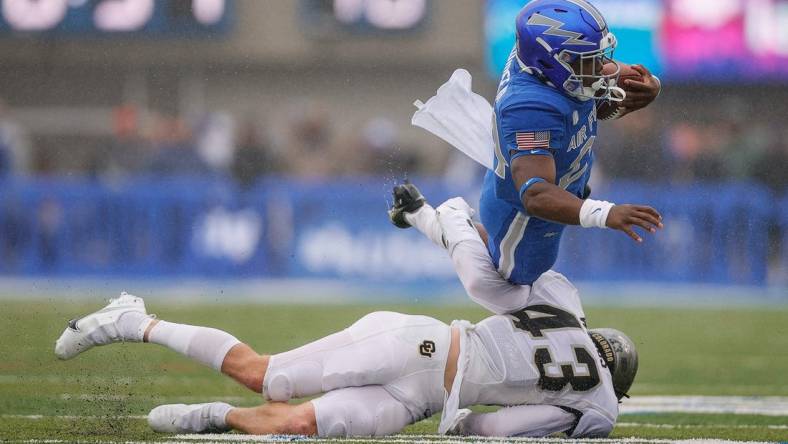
(535, 351)
(543, 355)
(535, 354)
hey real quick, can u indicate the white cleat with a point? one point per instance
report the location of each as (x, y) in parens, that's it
(98, 328)
(189, 418)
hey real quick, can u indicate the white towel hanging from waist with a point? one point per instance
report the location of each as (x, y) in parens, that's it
(461, 117)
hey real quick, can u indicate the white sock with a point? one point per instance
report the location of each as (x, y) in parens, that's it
(203, 344)
(132, 325)
(425, 220)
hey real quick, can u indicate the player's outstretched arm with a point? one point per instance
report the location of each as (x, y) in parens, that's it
(450, 227)
(535, 177)
(525, 421)
(472, 261)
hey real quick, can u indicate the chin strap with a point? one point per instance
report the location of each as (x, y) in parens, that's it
(615, 93)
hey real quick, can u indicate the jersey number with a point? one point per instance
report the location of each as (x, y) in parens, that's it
(546, 317)
(580, 383)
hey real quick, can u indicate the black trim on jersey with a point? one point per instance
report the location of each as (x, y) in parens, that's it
(578, 414)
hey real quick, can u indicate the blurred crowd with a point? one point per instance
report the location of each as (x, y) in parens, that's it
(643, 146)
(308, 143)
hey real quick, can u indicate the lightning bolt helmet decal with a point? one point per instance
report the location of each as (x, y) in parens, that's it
(554, 29)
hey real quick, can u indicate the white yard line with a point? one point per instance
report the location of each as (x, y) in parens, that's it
(428, 439)
(92, 397)
(735, 389)
(760, 405)
(397, 439)
(764, 405)
(57, 441)
(740, 405)
(694, 426)
(619, 424)
(37, 417)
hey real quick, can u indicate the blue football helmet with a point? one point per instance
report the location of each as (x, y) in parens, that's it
(555, 35)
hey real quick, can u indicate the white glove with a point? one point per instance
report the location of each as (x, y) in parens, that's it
(457, 426)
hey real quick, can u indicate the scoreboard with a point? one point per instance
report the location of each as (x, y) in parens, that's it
(114, 17)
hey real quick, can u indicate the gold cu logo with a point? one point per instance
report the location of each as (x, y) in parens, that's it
(427, 348)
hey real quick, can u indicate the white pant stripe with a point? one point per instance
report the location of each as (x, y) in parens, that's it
(509, 244)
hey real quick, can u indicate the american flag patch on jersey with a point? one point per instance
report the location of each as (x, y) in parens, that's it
(533, 140)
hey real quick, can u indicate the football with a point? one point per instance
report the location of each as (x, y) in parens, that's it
(611, 110)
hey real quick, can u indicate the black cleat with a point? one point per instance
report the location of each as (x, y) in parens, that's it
(407, 199)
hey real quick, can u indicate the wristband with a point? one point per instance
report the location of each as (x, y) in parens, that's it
(530, 182)
(593, 213)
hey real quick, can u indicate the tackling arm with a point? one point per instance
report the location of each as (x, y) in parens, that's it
(450, 227)
(530, 421)
(521, 420)
(472, 261)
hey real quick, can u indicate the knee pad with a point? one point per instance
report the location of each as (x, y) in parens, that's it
(294, 381)
(358, 412)
(344, 419)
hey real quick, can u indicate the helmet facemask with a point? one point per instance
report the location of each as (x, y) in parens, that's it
(587, 81)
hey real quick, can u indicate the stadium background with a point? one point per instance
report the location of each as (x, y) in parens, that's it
(260, 139)
(204, 151)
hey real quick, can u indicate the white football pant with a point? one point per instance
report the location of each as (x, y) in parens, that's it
(395, 363)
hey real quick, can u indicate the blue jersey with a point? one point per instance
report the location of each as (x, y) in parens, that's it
(532, 118)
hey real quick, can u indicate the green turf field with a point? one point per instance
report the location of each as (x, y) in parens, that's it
(104, 394)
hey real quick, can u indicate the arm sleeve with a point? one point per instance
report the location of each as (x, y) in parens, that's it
(593, 425)
(521, 420)
(530, 129)
(481, 280)
(473, 263)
